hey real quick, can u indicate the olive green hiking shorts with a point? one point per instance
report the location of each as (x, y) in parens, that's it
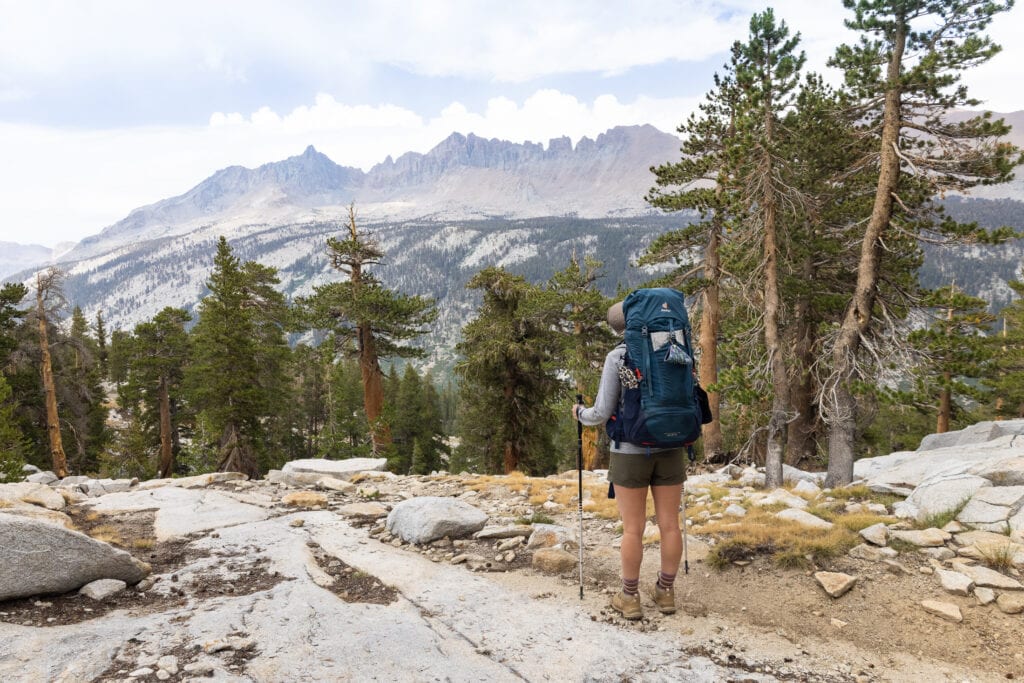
(638, 471)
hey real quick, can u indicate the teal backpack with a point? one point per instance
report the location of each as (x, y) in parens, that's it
(659, 402)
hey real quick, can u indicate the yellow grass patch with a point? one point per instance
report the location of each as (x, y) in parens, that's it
(107, 533)
(861, 520)
(789, 543)
(143, 543)
(6, 504)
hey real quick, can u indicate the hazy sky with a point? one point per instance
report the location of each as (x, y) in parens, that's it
(106, 106)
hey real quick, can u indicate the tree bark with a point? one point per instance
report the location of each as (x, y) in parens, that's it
(236, 456)
(775, 445)
(59, 459)
(857, 319)
(801, 439)
(710, 322)
(166, 445)
(510, 451)
(373, 390)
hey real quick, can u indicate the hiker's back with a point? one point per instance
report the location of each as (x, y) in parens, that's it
(659, 408)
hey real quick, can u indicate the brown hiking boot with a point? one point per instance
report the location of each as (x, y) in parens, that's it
(627, 605)
(665, 599)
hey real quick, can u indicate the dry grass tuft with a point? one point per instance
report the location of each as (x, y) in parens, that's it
(107, 533)
(861, 520)
(143, 543)
(998, 556)
(6, 504)
(789, 544)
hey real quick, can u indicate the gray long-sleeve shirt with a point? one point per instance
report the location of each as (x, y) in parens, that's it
(607, 401)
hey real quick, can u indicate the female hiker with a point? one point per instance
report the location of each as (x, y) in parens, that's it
(632, 470)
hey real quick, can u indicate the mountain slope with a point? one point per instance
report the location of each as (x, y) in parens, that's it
(463, 177)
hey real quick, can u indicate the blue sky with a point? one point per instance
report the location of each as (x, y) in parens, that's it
(107, 106)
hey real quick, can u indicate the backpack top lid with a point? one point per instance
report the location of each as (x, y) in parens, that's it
(657, 308)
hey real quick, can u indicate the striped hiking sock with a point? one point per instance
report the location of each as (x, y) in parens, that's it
(665, 581)
(631, 586)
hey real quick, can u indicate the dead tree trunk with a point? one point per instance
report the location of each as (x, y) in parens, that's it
(710, 321)
(59, 459)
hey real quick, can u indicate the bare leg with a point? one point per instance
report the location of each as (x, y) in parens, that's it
(633, 511)
(666, 507)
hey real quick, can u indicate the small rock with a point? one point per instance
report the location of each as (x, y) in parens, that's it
(945, 610)
(876, 534)
(297, 522)
(872, 553)
(836, 584)
(735, 510)
(923, 538)
(953, 527)
(942, 553)
(984, 596)
(510, 543)
(101, 589)
(162, 675)
(955, 582)
(804, 486)
(213, 646)
(138, 673)
(990, 578)
(168, 663)
(553, 560)
(804, 518)
(1011, 603)
(306, 499)
(838, 623)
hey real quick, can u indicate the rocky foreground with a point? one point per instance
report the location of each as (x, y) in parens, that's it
(335, 570)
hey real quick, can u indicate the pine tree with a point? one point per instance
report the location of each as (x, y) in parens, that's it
(346, 432)
(767, 71)
(586, 337)
(236, 380)
(904, 76)
(954, 348)
(12, 442)
(310, 370)
(509, 378)
(156, 367)
(20, 365)
(377, 318)
(81, 395)
(1006, 377)
(11, 317)
(822, 151)
(416, 428)
(101, 343)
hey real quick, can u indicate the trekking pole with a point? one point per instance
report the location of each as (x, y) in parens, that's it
(579, 472)
(686, 554)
